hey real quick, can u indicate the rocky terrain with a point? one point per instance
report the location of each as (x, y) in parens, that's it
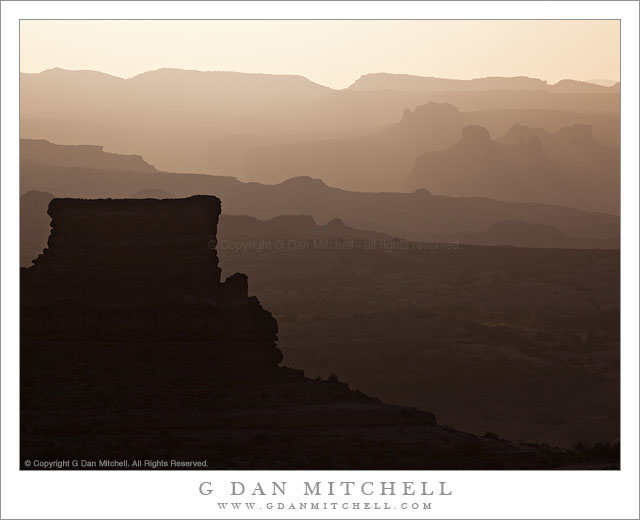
(132, 347)
(568, 168)
(518, 341)
(382, 160)
(34, 225)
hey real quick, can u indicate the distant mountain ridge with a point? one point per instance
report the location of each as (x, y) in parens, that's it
(370, 81)
(413, 216)
(291, 227)
(87, 156)
(412, 83)
(65, 90)
(204, 122)
(381, 161)
(246, 234)
(371, 162)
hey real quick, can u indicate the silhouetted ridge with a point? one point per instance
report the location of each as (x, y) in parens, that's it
(83, 156)
(568, 167)
(34, 224)
(206, 122)
(371, 162)
(414, 216)
(380, 160)
(411, 83)
(423, 193)
(424, 113)
(475, 135)
(335, 224)
(221, 76)
(304, 181)
(571, 85)
(173, 90)
(285, 228)
(58, 72)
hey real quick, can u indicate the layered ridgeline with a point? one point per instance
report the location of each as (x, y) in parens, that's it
(414, 216)
(132, 348)
(568, 167)
(192, 121)
(235, 232)
(411, 83)
(381, 160)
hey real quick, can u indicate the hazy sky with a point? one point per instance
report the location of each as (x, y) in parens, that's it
(333, 53)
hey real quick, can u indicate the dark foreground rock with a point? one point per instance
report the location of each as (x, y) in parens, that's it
(133, 349)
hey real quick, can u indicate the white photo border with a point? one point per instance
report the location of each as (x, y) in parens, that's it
(161, 494)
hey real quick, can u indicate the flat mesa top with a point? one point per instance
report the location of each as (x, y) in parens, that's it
(193, 204)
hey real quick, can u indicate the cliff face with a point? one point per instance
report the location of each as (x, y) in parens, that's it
(132, 348)
(567, 168)
(34, 225)
(142, 271)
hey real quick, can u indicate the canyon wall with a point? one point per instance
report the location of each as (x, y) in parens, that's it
(144, 276)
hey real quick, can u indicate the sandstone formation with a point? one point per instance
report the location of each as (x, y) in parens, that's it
(568, 168)
(132, 348)
(126, 327)
(132, 271)
(34, 225)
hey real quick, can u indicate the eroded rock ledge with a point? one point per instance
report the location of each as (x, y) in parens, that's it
(130, 287)
(125, 270)
(132, 348)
